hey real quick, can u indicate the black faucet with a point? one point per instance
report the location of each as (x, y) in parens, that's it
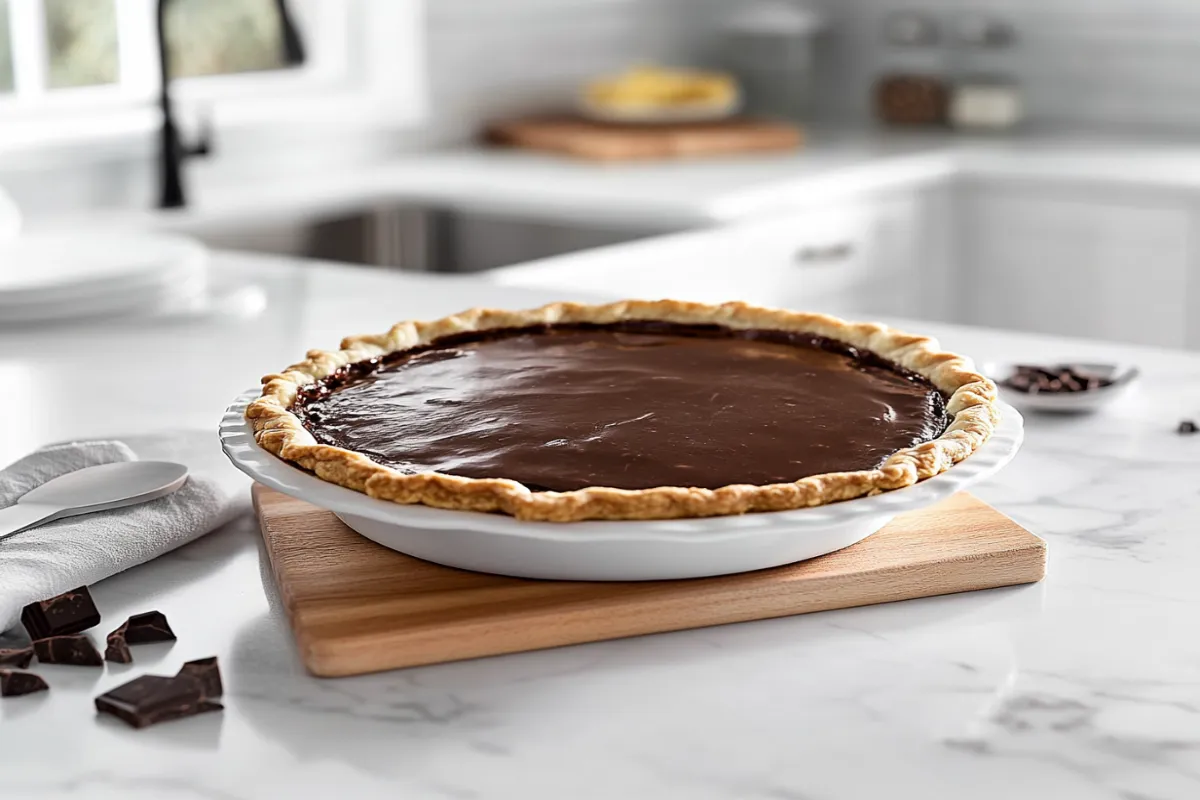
(172, 150)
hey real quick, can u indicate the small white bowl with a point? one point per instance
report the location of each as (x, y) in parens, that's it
(611, 551)
(1121, 375)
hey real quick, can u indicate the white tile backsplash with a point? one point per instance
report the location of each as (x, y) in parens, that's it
(1090, 64)
(489, 58)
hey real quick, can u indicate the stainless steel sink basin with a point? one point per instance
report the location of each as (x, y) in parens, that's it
(394, 236)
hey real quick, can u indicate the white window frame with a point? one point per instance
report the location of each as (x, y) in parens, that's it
(363, 66)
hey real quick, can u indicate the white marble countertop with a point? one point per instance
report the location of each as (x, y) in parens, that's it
(661, 195)
(1084, 686)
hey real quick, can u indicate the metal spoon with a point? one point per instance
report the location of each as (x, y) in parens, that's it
(97, 488)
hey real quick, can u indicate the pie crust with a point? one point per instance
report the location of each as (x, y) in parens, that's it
(970, 405)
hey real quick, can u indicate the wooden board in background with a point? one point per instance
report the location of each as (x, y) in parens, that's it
(358, 607)
(599, 141)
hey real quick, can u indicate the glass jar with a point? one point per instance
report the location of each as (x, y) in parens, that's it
(771, 47)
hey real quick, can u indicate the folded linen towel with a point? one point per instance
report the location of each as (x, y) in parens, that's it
(77, 551)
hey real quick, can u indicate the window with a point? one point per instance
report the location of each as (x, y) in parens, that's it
(51, 45)
(81, 42)
(219, 37)
(78, 70)
(6, 69)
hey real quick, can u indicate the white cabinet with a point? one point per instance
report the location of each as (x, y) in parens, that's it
(856, 258)
(1047, 257)
(1077, 264)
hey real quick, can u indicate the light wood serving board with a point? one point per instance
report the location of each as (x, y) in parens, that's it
(358, 607)
(601, 141)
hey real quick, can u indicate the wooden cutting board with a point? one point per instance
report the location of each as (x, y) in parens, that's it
(599, 141)
(358, 607)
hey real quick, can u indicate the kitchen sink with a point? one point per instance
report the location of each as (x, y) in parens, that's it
(417, 238)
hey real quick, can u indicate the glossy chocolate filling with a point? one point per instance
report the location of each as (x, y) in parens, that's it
(631, 405)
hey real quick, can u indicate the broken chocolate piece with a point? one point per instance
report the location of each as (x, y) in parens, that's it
(117, 650)
(1187, 426)
(19, 658)
(148, 628)
(15, 684)
(1064, 379)
(206, 672)
(71, 612)
(152, 699)
(76, 650)
(139, 629)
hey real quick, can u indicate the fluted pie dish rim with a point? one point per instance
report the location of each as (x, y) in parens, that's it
(970, 404)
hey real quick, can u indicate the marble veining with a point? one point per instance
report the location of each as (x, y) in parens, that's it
(1084, 686)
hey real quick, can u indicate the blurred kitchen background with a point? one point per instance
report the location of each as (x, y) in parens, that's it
(1027, 164)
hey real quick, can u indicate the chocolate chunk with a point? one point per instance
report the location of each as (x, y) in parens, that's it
(15, 684)
(139, 629)
(19, 658)
(76, 650)
(1187, 426)
(1057, 380)
(118, 650)
(148, 628)
(72, 612)
(206, 672)
(152, 699)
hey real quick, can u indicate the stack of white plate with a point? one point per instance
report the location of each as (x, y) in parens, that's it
(56, 277)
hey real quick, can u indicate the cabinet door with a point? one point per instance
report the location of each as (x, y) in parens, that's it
(778, 261)
(854, 259)
(1076, 266)
(804, 260)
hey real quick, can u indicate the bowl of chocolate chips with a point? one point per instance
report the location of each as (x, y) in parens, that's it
(1067, 386)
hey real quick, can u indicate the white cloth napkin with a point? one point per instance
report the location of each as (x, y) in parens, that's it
(78, 551)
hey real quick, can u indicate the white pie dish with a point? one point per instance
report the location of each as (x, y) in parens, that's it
(607, 550)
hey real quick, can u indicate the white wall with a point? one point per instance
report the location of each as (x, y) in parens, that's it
(488, 58)
(1089, 64)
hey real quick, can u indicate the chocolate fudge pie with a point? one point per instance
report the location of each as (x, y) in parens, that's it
(631, 410)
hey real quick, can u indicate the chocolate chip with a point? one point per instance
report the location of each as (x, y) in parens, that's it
(117, 650)
(207, 673)
(148, 628)
(76, 650)
(1187, 426)
(151, 699)
(15, 684)
(19, 658)
(71, 612)
(1064, 379)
